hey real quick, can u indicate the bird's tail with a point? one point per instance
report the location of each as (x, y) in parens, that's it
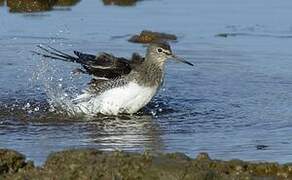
(53, 53)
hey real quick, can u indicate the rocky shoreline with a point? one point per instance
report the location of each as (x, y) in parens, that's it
(94, 164)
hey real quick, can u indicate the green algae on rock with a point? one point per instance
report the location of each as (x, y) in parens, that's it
(66, 2)
(11, 161)
(94, 164)
(30, 5)
(149, 36)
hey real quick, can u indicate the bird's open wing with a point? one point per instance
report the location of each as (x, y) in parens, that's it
(103, 66)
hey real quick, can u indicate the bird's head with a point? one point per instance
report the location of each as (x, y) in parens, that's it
(160, 52)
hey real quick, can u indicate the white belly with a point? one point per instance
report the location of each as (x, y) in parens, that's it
(126, 99)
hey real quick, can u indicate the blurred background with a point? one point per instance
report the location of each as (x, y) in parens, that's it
(235, 102)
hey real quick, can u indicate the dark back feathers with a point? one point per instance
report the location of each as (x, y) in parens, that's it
(103, 66)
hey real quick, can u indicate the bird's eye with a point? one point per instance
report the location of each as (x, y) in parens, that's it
(159, 50)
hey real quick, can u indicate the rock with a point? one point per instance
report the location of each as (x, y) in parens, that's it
(261, 147)
(94, 164)
(202, 156)
(120, 2)
(30, 5)
(225, 35)
(178, 156)
(66, 2)
(11, 161)
(149, 36)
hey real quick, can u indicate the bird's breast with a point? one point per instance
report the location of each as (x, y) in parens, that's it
(124, 99)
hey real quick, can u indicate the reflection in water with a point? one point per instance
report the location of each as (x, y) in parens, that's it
(38, 134)
(120, 2)
(126, 132)
(21, 6)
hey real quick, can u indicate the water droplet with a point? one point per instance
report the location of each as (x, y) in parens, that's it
(153, 113)
(52, 109)
(26, 106)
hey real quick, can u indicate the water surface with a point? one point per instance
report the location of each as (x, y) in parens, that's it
(235, 103)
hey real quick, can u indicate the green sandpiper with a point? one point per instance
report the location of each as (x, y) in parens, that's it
(118, 85)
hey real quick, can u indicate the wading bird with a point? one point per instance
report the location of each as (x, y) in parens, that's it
(118, 85)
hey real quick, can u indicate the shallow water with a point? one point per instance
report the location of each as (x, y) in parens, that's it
(235, 103)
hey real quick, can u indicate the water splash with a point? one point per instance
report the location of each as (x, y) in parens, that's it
(59, 84)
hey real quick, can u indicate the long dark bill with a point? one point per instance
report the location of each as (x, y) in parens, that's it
(181, 60)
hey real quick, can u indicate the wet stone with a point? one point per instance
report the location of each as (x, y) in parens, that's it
(120, 2)
(225, 35)
(66, 2)
(11, 161)
(94, 164)
(30, 5)
(150, 36)
(261, 147)
(202, 156)
(178, 156)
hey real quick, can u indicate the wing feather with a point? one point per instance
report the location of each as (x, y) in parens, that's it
(102, 67)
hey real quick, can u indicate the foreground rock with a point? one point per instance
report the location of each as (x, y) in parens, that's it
(150, 36)
(94, 164)
(12, 161)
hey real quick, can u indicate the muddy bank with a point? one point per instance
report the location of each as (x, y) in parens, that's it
(94, 164)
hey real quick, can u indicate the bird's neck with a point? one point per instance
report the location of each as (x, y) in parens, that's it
(150, 73)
